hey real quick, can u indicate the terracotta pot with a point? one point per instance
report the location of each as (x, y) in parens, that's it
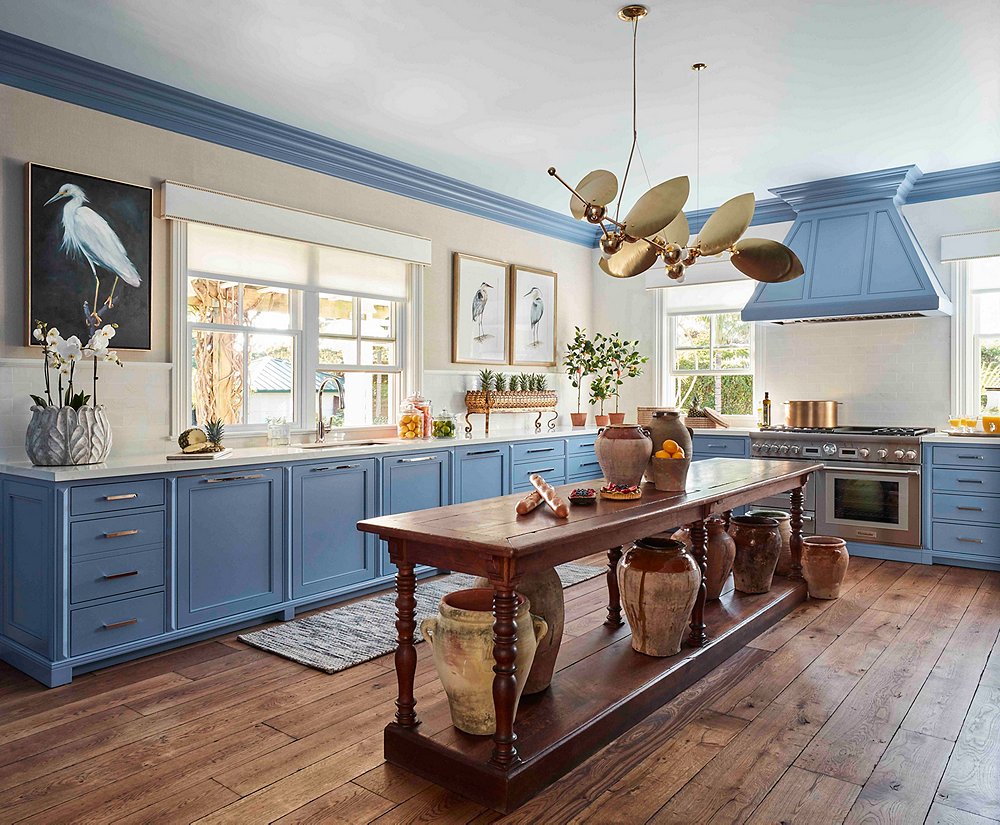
(824, 565)
(668, 474)
(784, 519)
(758, 544)
(669, 424)
(659, 583)
(721, 552)
(579, 419)
(617, 418)
(544, 592)
(60, 436)
(602, 420)
(461, 637)
(623, 452)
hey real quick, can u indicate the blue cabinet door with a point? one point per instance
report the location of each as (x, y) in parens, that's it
(229, 544)
(328, 551)
(481, 472)
(417, 481)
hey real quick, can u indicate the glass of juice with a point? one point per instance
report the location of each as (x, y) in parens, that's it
(969, 424)
(955, 422)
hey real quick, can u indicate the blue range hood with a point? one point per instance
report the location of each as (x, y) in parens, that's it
(860, 256)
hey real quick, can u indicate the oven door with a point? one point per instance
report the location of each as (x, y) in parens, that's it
(877, 505)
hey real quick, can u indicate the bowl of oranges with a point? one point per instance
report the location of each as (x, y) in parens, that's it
(668, 467)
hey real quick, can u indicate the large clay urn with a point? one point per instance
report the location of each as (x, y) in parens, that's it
(758, 544)
(544, 592)
(659, 583)
(461, 638)
(784, 566)
(721, 552)
(824, 565)
(623, 451)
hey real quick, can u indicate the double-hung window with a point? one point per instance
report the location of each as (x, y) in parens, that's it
(984, 329)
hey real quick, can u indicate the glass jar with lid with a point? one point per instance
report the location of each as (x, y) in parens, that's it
(410, 422)
(424, 405)
(444, 425)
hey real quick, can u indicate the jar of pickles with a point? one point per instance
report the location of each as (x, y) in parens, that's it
(410, 422)
(444, 425)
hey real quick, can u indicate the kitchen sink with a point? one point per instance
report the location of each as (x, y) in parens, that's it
(339, 445)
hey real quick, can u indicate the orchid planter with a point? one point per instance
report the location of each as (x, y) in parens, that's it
(59, 436)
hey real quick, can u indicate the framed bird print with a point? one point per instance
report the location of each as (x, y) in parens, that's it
(479, 310)
(532, 317)
(88, 257)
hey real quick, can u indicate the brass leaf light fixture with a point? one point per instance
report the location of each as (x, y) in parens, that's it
(655, 228)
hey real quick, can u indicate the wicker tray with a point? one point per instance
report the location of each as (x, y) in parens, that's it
(644, 416)
(478, 401)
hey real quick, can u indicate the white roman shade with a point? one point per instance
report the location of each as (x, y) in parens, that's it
(182, 202)
(966, 245)
(720, 296)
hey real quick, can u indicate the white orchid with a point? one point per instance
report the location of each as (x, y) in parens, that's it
(52, 336)
(66, 370)
(108, 331)
(38, 335)
(112, 356)
(70, 349)
(62, 355)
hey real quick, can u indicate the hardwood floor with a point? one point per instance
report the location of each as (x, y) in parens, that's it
(881, 707)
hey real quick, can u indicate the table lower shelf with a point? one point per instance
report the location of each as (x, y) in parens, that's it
(596, 695)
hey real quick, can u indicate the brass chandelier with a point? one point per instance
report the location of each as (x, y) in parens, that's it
(655, 228)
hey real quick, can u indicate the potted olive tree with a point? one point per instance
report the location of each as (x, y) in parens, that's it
(579, 363)
(622, 361)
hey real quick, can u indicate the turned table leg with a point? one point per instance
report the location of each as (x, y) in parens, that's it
(406, 653)
(614, 595)
(699, 550)
(504, 680)
(795, 542)
(727, 518)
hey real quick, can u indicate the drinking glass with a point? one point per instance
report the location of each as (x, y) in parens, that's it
(955, 422)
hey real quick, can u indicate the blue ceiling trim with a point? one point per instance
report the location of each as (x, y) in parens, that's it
(956, 183)
(883, 184)
(34, 67)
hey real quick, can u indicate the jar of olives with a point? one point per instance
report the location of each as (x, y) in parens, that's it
(444, 425)
(411, 421)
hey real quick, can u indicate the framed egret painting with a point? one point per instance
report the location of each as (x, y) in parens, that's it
(532, 317)
(89, 250)
(479, 310)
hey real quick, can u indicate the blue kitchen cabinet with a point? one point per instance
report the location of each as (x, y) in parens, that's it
(581, 460)
(229, 544)
(328, 551)
(547, 458)
(708, 445)
(413, 481)
(481, 471)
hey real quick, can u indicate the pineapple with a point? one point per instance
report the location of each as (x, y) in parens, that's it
(541, 385)
(215, 429)
(500, 382)
(487, 380)
(515, 383)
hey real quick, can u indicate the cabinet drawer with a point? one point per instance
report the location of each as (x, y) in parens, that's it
(975, 455)
(966, 539)
(714, 445)
(101, 535)
(966, 481)
(108, 625)
(121, 495)
(983, 509)
(582, 466)
(532, 450)
(553, 470)
(581, 445)
(97, 577)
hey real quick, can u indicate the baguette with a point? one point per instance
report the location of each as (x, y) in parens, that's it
(528, 503)
(550, 496)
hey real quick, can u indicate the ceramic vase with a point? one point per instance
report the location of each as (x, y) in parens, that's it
(659, 583)
(668, 474)
(784, 566)
(61, 436)
(668, 424)
(544, 592)
(623, 452)
(461, 638)
(579, 419)
(758, 544)
(824, 565)
(721, 553)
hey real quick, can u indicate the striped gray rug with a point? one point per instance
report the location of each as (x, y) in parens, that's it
(343, 637)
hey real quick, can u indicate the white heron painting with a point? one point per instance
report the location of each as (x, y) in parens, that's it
(479, 311)
(89, 250)
(534, 314)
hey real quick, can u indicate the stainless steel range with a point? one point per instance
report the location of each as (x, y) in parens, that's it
(869, 490)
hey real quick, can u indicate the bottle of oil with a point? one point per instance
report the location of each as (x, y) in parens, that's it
(766, 416)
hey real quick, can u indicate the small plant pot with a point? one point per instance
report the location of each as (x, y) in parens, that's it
(602, 420)
(669, 475)
(62, 436)
(579, 419)
(617, 418)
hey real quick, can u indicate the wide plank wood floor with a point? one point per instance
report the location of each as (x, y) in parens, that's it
(880, 707)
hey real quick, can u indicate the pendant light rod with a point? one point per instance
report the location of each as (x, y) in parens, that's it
(698, 68)
(633, 14)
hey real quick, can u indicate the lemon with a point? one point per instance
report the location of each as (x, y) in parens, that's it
(670, 446)
(662, 454)
(679, 453)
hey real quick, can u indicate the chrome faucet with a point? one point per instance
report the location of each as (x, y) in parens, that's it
(321, 428)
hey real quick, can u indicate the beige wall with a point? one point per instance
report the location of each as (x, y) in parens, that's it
(36, 128)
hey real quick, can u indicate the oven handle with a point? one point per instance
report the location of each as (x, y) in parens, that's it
(887, 472)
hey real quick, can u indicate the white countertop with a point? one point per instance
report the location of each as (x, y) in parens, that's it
(958, 441)
(142, 464)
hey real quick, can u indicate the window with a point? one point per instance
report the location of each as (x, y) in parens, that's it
(984, 327)
(270, 322)
(712, 360)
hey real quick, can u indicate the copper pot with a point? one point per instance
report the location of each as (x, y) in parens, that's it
(811, 413)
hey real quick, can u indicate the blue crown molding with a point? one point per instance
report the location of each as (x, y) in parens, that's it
(956, 183)
(34, 67)
(884, 184)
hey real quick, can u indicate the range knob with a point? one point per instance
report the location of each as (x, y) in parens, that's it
(863, 452)
(784, 449)
(756, 447)
(911, 455)
(794, 450)
(829, 449)
(899, 454)
(882, 453)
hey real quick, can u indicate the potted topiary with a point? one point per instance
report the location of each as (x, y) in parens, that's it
(600, 391)
(579, 363)
(622, 361)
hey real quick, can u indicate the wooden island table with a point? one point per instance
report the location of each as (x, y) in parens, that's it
(610, 687)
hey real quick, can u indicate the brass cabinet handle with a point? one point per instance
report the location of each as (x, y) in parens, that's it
(971, 509)
(116, 625)
(110, 576)
(970, 541)
(119, 533)
(121, 497)
(232, 478)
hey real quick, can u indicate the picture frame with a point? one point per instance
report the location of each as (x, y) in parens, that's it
(480, 295)
(533, 313)
(88, 255)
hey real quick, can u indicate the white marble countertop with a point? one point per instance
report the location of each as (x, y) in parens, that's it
(958, 441)
(157, 462)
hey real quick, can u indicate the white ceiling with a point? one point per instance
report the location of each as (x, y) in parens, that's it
(493, 93)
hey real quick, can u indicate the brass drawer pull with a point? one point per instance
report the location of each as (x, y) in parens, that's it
(971, 509)
(119, 533)
(116, 625)
(232, 478)
(121, 497)
(970, 541)
(110, 576)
